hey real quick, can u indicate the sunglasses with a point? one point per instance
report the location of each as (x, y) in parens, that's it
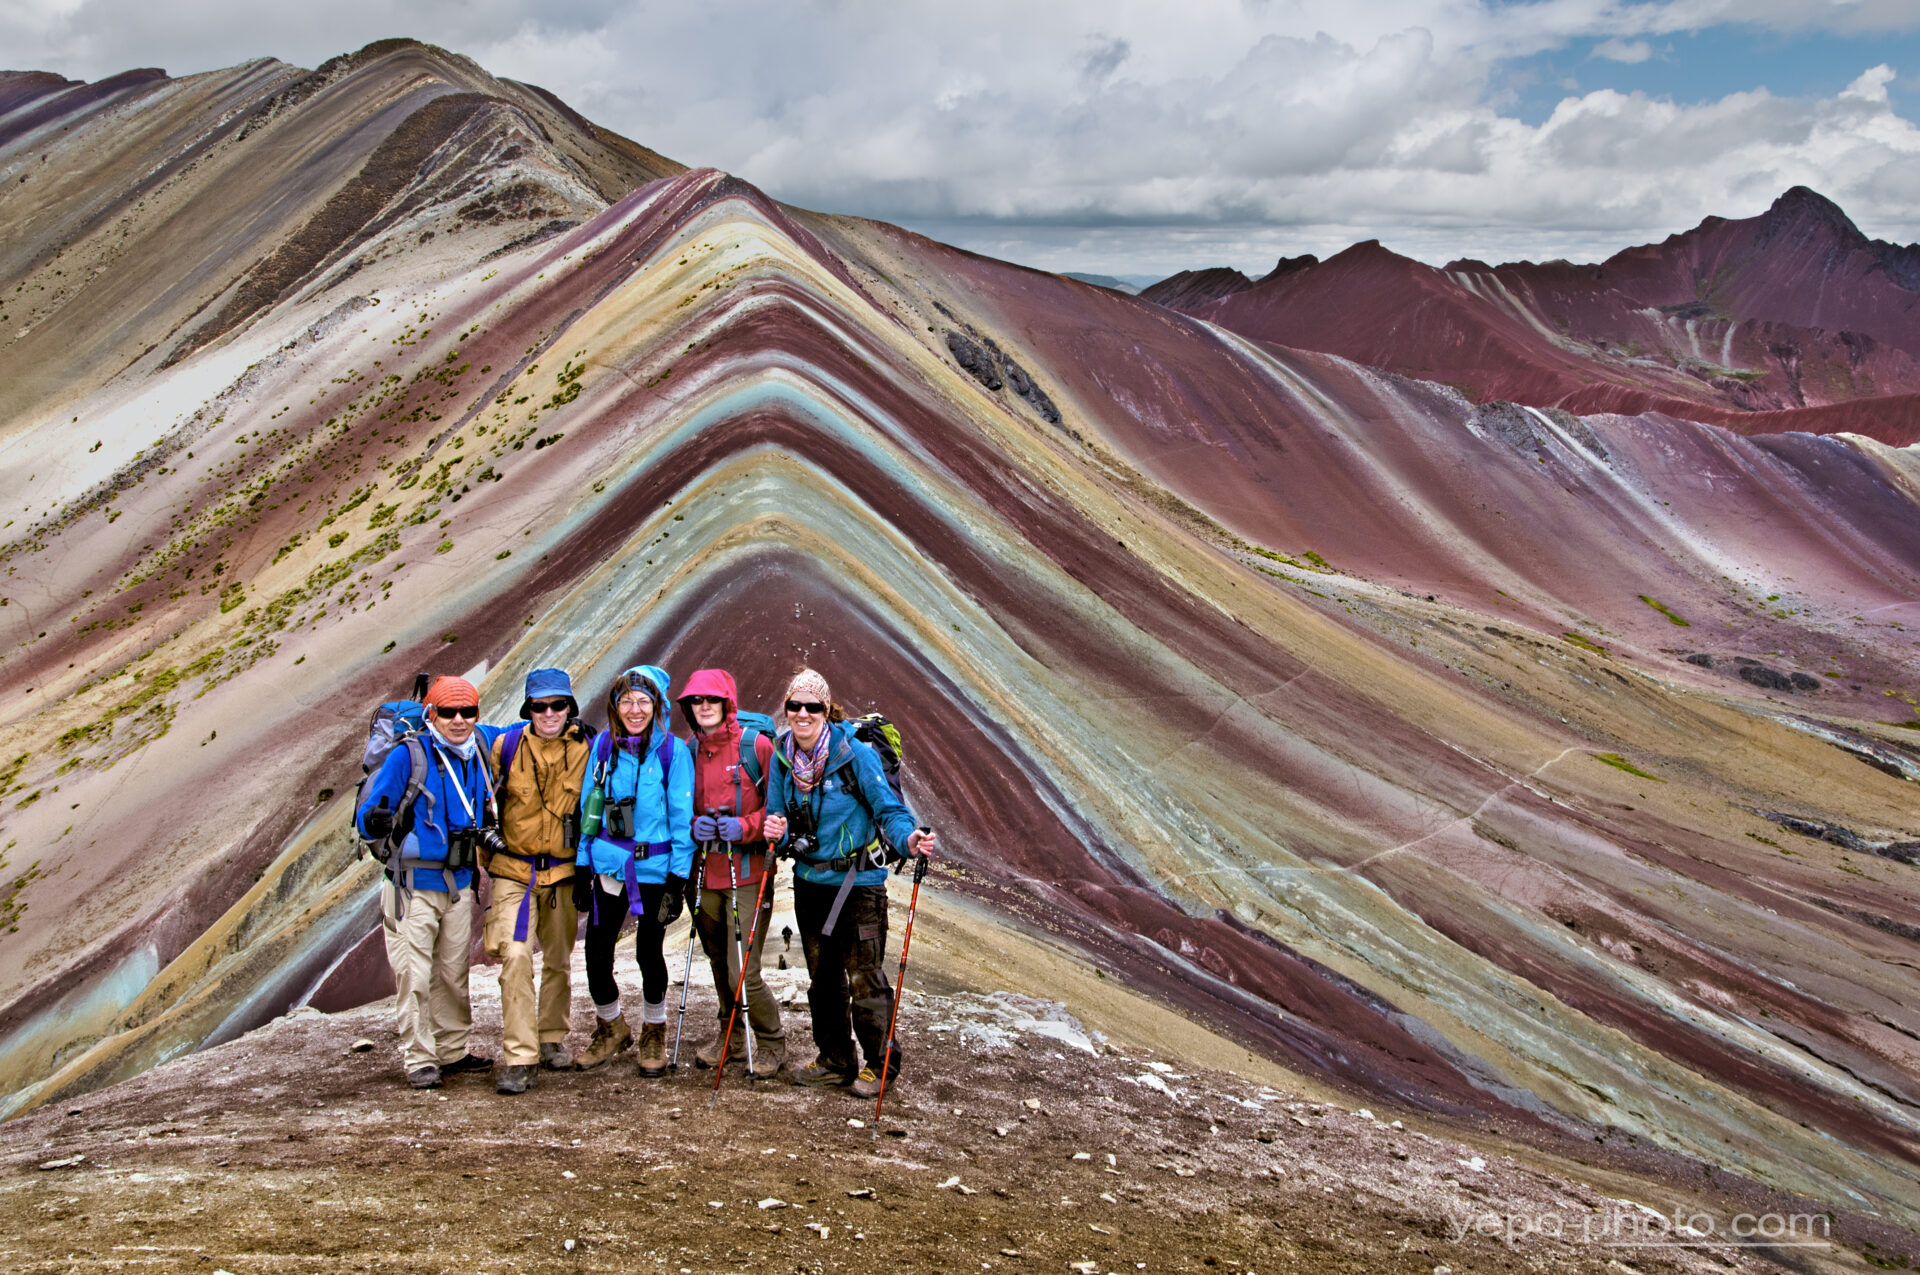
(471, 712)
(548, 705)
(815, 707)
(698, 700)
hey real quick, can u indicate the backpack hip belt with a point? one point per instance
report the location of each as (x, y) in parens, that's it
(874, 851)
(640, 851)
(537, 863)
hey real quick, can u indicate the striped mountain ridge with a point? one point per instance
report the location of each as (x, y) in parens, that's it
(1352, 718)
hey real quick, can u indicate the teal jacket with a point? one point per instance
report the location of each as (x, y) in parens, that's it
(850, 807)
(662, 810)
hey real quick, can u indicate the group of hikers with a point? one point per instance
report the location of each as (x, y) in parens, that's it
(634, 821)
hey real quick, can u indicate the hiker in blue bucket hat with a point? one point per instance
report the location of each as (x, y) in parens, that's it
(542, 764)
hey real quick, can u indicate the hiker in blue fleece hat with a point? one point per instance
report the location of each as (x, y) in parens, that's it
(636, 852)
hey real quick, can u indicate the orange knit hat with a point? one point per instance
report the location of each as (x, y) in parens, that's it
(452, 692)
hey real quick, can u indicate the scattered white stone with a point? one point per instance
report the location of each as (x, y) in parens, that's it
(1031, 1104)
(1110, 1160)
(714, 1204)
(568, 1246)
(772, 1203)
(1395, 1125)
(1098, 1230)
(1000, 1131)
(822, 1231)
(1086, 1268)
(361, 1046)
(1108, 1198)
(1081, 1155)
(1477, 1164)
(853, 1123)
(861, 1193)
(1364, 1114)
(568, 1173)
(67, 1163)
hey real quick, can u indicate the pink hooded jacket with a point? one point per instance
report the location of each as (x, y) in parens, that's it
(716, 756)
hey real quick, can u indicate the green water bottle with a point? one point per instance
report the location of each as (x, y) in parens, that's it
(596, 804)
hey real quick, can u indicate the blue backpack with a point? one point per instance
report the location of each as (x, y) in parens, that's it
(397, 723)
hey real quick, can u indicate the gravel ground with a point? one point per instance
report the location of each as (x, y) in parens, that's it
(1017, 1140)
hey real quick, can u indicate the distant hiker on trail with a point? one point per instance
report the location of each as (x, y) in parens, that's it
(828, 805)
(426, 901)
(542, 771)
(732, 759)
(636, 834)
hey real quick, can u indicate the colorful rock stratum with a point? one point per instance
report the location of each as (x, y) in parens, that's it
(1491, 763)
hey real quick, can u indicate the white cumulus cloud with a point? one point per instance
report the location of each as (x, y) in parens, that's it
(1134, 136)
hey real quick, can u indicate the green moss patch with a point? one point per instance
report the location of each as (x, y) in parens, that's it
(1618, 762)
(1661, 607)
(1574, 639)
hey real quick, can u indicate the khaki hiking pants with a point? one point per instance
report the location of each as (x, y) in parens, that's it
(428, 950)
(551, 921)
(714, 923)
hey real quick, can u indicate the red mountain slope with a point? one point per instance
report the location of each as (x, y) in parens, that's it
(1788, 310)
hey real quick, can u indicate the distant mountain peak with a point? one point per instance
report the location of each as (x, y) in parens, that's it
(1801, 206)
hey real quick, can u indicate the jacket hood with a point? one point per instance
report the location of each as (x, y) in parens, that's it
(649, 677)
(710, 681)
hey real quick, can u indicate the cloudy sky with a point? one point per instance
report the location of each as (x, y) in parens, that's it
(1138, 138)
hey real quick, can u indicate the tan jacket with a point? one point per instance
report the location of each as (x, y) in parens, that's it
(543, 787)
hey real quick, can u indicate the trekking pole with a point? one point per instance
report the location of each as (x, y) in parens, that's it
(899, 985)
(740, 984)
(700, 877)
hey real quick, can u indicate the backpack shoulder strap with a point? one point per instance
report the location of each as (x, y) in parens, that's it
(750, 753)
(602, 757)
(663, 753)
(416, 787)
(509, 745)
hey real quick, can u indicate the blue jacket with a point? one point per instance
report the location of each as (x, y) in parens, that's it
(437, 808)
(662, 813)
(849, 806)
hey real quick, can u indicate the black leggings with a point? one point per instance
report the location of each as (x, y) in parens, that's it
(603, 931)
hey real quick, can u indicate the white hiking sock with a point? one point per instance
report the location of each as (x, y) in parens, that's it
(653, 1011)
(607, 1013)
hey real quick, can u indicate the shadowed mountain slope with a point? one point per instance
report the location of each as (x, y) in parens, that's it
(1732, 322)
(1150, 601)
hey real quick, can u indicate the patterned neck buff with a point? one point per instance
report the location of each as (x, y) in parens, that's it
(809, 767)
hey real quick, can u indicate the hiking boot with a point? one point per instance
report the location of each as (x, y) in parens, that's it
(554, 1055)
(427, 1077)
(466, 1062)
(516, 1079)
(610, 1036)
(866, 1084)
(821, 1073)
(651, 1057)
(769, 1055)
(707, 1057)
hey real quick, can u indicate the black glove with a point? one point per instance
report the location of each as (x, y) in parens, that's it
(582, 889)
(673, 901)
(378, 822)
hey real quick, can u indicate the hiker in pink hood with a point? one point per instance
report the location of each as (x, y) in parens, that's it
(731, 758)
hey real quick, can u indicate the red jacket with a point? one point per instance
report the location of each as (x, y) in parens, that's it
(718, 783)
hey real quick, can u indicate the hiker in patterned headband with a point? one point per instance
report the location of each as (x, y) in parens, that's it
(831, 804)
(808, 685)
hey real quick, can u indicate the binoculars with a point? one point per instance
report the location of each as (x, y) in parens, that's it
(464, 844)
(616, 819)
